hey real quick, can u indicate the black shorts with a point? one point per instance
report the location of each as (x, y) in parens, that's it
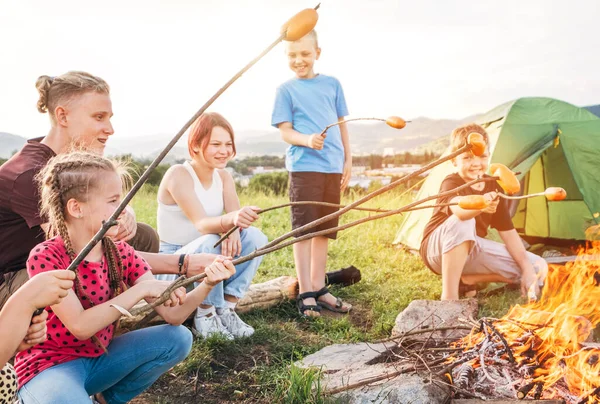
(319, 187)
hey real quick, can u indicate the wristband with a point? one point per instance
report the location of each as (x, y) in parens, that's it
(180, 264)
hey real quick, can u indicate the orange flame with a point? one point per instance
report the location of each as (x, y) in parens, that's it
(548, 335)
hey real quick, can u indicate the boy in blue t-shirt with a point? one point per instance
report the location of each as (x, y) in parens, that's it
(319, 166)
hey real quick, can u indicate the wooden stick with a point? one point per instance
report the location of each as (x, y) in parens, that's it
(352, 119)
(257, 253)
(521, 196)
(332, 205)
(369, 380)
(370, 196)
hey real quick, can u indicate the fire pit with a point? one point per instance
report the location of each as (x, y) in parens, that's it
(538, 352)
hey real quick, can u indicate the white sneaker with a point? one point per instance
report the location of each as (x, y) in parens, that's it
(234, 324)
(207, 326)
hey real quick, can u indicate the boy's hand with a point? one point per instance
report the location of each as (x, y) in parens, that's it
(529, 285)
(316, 141)
(127, 225)
(493, 199)
(346, 175)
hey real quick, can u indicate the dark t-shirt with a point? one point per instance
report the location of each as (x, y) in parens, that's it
(500, 220)
(20, 220)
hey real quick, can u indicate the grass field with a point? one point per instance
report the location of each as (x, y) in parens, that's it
(259, 368)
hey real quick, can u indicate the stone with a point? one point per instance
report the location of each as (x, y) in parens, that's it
(430, 314)
(404, 389)
(345, 365)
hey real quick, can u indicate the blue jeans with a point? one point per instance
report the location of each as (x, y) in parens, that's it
(134, 361)
(238, 284)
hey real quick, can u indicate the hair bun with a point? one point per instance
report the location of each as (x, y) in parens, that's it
(43, 85)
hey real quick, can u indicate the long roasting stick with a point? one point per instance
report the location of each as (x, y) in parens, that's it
(327, 204)
(300, 27)
(181, 282)
(475, 147)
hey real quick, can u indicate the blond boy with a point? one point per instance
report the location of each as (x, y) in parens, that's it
(454, 244)
(319, 166)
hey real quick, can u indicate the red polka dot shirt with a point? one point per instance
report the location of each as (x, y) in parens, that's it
(61, 346)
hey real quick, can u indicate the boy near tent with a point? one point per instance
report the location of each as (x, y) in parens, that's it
(319, 166)
(454, 244)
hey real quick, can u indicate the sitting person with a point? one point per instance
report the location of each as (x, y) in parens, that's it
(192, 199)
(454, 244)
(81, 357)
(80, 110)
(19, 331)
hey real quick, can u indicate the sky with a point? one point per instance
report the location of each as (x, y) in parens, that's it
(164, 59)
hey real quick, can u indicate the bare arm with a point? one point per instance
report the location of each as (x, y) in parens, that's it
(177, 314)
(41, 291)
(347, 173)
(291, 136)
(83, 324)
(14, 322)
(178, 183)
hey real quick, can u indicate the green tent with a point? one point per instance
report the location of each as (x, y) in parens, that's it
(552, 144)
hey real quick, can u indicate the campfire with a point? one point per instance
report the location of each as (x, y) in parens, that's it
(537, 350)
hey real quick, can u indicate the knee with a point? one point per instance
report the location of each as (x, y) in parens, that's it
(255, 238)
(464, 227)
(181, 342)
(541, 269)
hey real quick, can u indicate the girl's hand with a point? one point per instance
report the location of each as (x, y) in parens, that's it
(36, 333)
(153, 289)
(244, 217)
(493, 200)
(218, 271)
(232, 245)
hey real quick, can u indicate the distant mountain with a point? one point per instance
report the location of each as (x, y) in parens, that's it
(9, 144)
(420, 135)
(365, 138)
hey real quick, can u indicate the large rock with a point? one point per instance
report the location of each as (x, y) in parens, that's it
(345, 365)
(404, 389)
(430, 314)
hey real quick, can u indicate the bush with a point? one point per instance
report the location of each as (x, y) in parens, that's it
(269, 183)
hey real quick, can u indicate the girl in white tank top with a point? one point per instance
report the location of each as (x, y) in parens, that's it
(197, 202)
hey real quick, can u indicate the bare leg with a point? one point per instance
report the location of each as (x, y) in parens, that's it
(485, 278)
(318, 265)
(453, 263)
(302, 259)
(231, 299)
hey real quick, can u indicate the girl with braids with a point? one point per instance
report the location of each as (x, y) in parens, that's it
(80, 357)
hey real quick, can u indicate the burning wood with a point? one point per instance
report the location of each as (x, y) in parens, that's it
(537, 350)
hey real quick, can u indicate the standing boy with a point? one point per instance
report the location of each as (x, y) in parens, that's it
(319, 165)
(454, 243)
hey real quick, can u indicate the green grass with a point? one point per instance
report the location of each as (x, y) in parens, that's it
(259, 368)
